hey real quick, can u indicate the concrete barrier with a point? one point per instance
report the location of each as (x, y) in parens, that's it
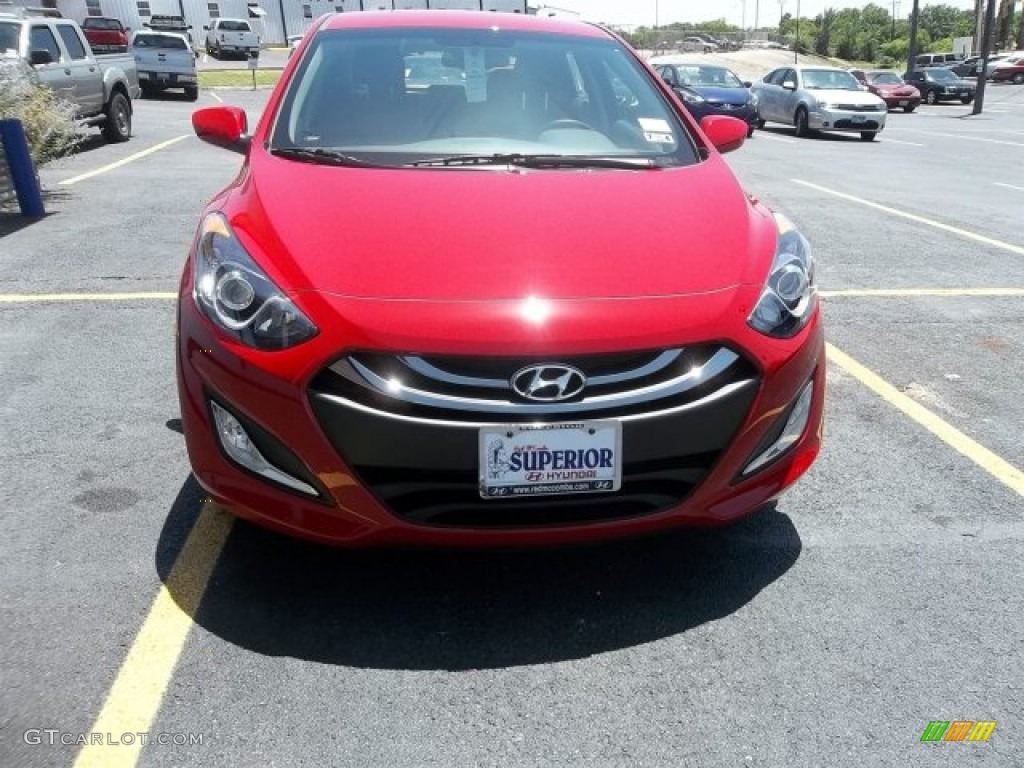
(17, 173)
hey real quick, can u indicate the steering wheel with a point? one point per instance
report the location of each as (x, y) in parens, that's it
(566, 123)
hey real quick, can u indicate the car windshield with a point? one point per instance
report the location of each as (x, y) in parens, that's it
(941, 75)
(234, 26)
(885, 78)
(9, 36)
(830, 79)
(455, 96)
(710, 77)
(113, 24)
(159, 41)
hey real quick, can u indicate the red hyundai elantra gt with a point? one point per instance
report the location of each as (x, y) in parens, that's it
(481, 280)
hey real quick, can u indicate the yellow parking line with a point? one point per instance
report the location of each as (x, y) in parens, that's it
(36, 298)
(134, 698)
(913, 292)
(125, 161)
(914, 217)
(995, 465)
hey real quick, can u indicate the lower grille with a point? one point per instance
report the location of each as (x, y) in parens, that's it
(867, 125)
(422, 461)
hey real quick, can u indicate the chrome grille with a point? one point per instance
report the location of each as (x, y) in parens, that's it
(479, 390)
(860, 107)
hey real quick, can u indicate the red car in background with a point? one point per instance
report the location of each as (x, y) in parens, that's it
(105, 35)
(891, 88)
(458, 314)
(1011, 70)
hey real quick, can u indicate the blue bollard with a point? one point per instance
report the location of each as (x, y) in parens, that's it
(19, 160)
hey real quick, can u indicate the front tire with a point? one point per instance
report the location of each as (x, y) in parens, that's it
(760, 124)
(803, 128)
(192, 94)
(930, 98)
(868, 135)
(118, 125)
(966, 99)
(908, 110)
(1018, 79)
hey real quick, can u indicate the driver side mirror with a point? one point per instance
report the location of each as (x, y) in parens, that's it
(40, 56)
(724, 132)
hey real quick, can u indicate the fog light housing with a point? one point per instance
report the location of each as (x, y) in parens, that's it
(242, 450)
(796, 422)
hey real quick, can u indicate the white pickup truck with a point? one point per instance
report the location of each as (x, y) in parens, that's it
(101, 87)
(164, 60)
(224, 36)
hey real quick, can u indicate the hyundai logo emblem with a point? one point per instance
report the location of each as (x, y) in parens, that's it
(548, 382)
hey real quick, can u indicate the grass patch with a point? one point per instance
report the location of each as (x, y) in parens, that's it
(237, 78)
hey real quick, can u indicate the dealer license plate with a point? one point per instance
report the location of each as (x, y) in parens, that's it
(521, 460)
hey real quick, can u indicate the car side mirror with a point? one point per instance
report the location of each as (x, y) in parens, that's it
(40, 56)
(226, 127)
(724, 132)
(789, 85)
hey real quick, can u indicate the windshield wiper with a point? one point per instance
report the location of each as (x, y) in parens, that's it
(320, 156)
(541, 161)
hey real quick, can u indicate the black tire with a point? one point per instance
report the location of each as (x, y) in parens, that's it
(803, 129)
(760, 124)
(868, 135)
(192, 93)
(909, 109)
(118, 125)
(930, 98)
(1018, 79)
(966, 99)
(750, 131)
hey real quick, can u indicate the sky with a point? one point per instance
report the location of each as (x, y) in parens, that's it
(637, 12)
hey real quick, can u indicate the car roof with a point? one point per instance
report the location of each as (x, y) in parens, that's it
(462, 19)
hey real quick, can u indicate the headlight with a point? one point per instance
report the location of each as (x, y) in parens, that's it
(824, 105)
(690, 97)
(790, 295)
(754, 100)
(235, 294)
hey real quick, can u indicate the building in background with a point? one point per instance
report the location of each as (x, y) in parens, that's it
(274, 20)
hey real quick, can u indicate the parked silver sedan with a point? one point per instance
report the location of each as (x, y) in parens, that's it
(814, 98)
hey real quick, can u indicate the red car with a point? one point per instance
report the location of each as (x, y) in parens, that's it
(527, 305)
(105, 35)
(1010, 70)
(891, 88)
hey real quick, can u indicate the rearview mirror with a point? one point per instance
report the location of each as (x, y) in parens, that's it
(225, 127)
(40, 56)
(724, 132)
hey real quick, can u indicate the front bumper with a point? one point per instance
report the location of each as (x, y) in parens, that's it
(394, 476)
(846, 120)
(745, 112)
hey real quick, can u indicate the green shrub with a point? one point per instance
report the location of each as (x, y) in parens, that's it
(49, 120)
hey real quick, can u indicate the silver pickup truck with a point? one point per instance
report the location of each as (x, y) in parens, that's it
(101, 87)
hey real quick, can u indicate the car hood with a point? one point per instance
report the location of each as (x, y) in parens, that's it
(470, 234)
(960, 83)
(843, 96)
(719, 95)
(894, 88)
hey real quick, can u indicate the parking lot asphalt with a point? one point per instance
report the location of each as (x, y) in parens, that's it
(881, 593)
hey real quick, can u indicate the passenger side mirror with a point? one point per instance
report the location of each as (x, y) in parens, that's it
(789, 85)
(40, 56)
(226, 127)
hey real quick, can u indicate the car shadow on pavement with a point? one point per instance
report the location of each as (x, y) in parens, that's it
(461, 610)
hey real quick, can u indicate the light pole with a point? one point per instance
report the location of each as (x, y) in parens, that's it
(796, 45)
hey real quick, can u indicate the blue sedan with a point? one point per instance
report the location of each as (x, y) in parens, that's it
(710, 89)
